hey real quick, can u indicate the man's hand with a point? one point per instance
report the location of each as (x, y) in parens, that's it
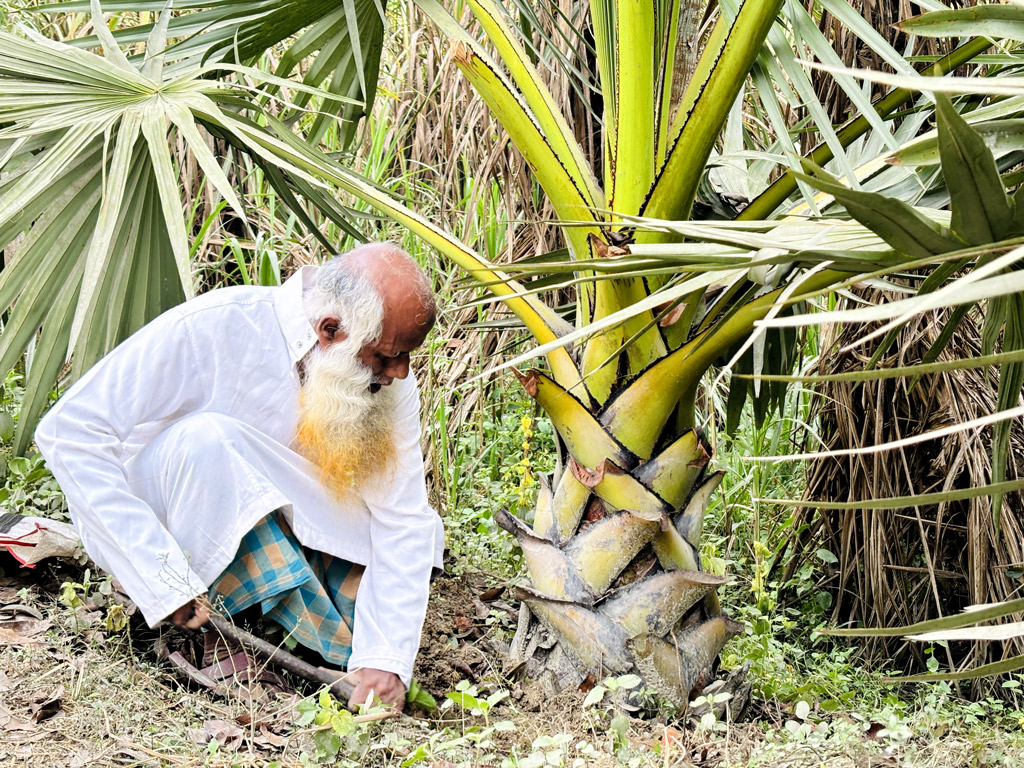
(192, 615)
(386, 686)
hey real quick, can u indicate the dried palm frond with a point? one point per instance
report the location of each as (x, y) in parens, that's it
(898, 567)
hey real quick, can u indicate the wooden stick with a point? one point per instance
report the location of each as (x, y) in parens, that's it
(340, 687)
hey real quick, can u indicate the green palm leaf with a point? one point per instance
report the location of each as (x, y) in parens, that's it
(99, 202)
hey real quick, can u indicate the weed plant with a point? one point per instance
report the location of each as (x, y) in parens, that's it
(26, 485)
(495, 465)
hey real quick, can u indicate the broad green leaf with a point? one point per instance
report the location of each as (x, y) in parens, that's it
(47, 361)
(156, 44)
(894, 221)
(981, 210)
(994, 21)
(154, 128)
(112, 52)
(1000, 136)
(186, 124)
(98, 257)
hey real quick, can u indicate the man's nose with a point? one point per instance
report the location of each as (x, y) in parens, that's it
(397, 368)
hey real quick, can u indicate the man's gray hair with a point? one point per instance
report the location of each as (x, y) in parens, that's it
(351, 298)
(349, 295)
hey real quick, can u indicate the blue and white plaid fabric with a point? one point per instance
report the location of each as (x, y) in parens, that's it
(310, 594)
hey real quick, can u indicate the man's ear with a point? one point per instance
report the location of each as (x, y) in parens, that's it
(329, 330)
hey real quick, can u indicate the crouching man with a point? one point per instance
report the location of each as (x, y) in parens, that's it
(260, 446)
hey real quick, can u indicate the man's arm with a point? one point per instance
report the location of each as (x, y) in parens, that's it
(152, 376)
(392, 598)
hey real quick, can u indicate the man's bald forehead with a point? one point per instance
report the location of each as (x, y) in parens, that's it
(397, 278)
(377, 259)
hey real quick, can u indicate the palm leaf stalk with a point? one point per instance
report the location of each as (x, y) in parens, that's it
(613, 548)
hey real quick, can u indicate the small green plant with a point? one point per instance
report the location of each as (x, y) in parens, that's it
(472, 701)
(547, 750)
(470, 741)
(610, 685)
(418, 696)
(709, 721)
(88, 597)
(335, 730)
(26, 485)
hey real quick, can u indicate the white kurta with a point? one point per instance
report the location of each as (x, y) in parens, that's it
(176, 443)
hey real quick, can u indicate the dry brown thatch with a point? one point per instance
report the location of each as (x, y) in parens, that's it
(897, 567)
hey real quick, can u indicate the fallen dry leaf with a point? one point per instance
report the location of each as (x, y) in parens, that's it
(9, 722)
(11, 611)
(482, 611)
(228, 735)
(198, 736)
(49, 706)
(5, 682)
(492, 594)
(267, 738)
(22, 631)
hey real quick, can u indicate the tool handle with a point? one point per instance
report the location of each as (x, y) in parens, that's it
(340, 687)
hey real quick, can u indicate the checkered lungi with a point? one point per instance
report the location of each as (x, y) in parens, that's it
(311, 594)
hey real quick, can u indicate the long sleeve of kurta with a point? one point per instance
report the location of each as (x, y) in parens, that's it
(154, 377)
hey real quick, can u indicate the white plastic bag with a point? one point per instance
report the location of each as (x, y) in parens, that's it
(31, 539)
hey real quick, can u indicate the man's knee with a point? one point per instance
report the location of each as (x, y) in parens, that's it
(199, 437)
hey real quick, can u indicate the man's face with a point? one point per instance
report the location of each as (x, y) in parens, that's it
(388, 357)
(345, 424)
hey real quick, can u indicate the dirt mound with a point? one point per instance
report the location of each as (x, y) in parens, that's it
(462, 633)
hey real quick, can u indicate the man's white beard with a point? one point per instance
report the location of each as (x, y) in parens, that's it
(344, 428)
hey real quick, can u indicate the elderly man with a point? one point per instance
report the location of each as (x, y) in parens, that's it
(262, 444)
